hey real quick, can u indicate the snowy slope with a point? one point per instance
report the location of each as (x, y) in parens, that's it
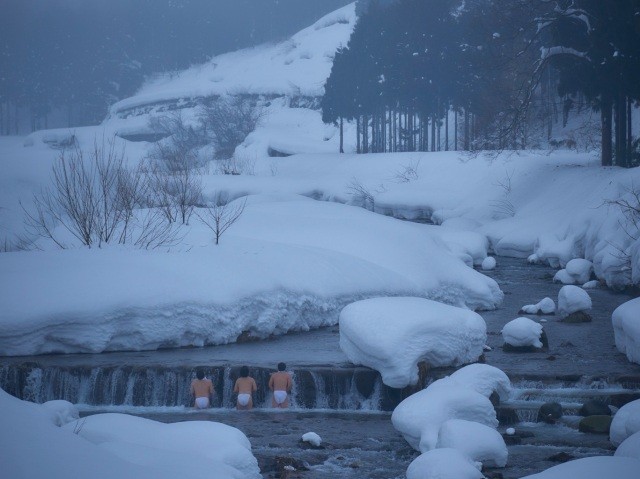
(296, 67)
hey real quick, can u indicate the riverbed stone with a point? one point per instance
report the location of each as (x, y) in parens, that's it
(593, 407)
(507, 416)
(577, 317)
(561, 457)
(549, 412)
(506, 347)
(595, 424)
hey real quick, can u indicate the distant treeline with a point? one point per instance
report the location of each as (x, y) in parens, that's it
(70, 59)
(498, 66)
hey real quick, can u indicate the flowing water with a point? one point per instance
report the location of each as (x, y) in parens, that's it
(348, 406)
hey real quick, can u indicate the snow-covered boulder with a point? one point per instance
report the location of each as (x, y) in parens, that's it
(392, 335)
(522, 332)
(577, 271)
(572, 299)
(626, 422)
(591, 284)
(463, 396)
(312, 438)
(443, 464)
(476, 441)
(599, 467)
(630, 447)
(61, 412)
(489, 263)
(545, 306)
(626, 329)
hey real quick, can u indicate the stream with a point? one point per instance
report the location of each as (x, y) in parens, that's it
(348, 406)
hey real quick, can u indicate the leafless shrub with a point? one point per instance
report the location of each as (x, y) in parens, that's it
(236, 165)
(361, 195)
(220, 214)
(228, 120)
(93, 198)
(176, 193)
(629, 206)
(408, 173)
(503, 207)
(181, 143)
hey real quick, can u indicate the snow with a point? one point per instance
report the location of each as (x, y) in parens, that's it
(577, 271)
(107, 446)
(312, 438)
(443, 464)
(522, 332)
(61, 412)
(489, 263)
(591, 284)
(476, 441)
(392, 335)
(592, 468)
(625, 423)
(463, 395)
(545, 306)
(626, 329)
(630, 447)
(572, 299)
(261, 278)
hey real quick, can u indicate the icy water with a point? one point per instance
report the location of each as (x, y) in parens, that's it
(581, 363)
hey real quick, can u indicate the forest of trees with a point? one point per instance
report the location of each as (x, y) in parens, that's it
(495, 65)
(64, 62)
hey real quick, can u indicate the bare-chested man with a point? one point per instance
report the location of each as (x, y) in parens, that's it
(280, 384)
(202, 390)
(244, 388)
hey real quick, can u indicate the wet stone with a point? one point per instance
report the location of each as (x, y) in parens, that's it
(507, 416)
(549, 412)
(561, 457)
(595, 424)
(577, 317)
(594, 408)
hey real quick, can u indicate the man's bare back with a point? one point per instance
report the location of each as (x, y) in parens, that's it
(245, 387)
(202, 388)
(280, 383)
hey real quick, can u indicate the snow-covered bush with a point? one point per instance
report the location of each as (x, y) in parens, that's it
(522, 332)
(626, 329)
(577, 271)
(443, 464)
(572, 299)
(392, 335)
(478, 442)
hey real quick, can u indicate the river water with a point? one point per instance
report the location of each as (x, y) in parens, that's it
(349, 407)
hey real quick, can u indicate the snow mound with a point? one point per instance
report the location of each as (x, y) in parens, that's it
(592, 468)
(577, 271)
(630, 447)
(545, 306)
(478, 442)
(61, 412)
(591, 284)
(154, 451)
(625, 423)
(489, 263)
(312, 438)
(465, 396)
(392, 335)
(572, 299)
(626, 329)
(443, 464)
(522, 332)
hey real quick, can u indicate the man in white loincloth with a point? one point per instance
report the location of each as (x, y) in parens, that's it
(202, 390)
(280, 384)
(245, 387)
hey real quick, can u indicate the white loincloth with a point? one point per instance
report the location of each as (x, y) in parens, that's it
(202, 402)
(243, 399)
(279, 396)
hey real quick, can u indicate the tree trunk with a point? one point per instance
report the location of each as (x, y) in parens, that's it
(358, 149)
(466, 130)
(446, 130)
(341, 135)
(605, 117)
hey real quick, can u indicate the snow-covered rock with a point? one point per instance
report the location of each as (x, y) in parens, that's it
(563, 277)
(312, 438)
(465, 396)
(443, 464)
(577, 271)
(522, 332)
(626, 329)
(489, 263)
(591, 284)
(592, 468)
(108, 446)
(545, 306)
(61, 412)
(478, 442)
(630, 447)
(572, 299)
(626, 422)
(392, 335)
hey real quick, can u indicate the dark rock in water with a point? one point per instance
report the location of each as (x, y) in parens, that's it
(561, 457)
(308, 445)
(492, 474)
(594, 407)
(495, 399)
(508, 348)
(507, 416)
(595, 424)
(281, 466)
(549, 412)
(246, 337)
(619, 400)
(365, 381)
(577, 317)
(551, 358)
(513, 440)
